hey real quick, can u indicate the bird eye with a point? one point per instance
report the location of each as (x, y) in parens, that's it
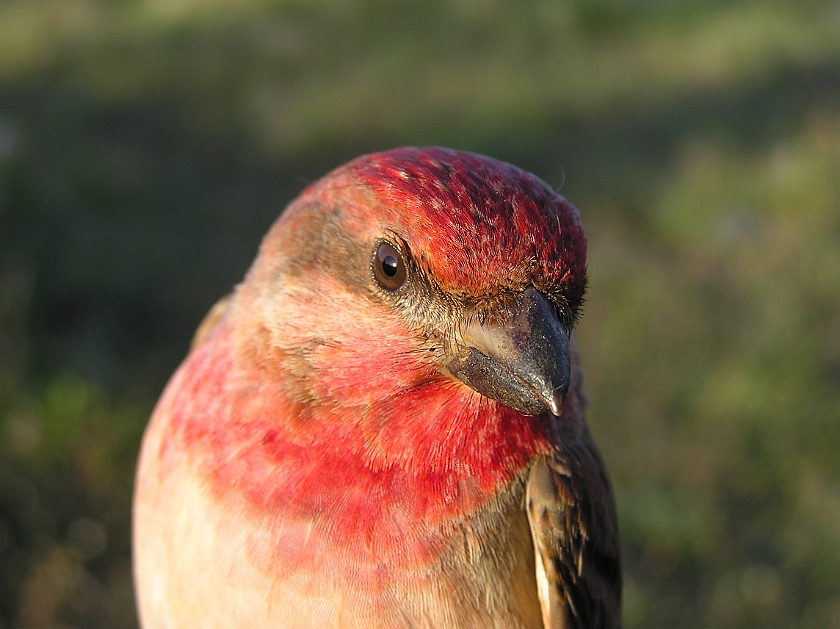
(388, 267)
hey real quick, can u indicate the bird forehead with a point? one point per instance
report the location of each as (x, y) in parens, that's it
(475, 221)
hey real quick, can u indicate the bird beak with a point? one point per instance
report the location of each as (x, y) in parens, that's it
(518, 356)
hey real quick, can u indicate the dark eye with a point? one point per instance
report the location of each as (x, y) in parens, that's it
(388, 267)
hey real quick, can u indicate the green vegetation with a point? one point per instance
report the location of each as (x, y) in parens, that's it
(145, 146)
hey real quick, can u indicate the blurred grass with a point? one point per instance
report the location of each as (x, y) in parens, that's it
(725, 312)
(146, 146)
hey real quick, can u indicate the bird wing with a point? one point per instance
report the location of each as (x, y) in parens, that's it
(575, 533)
(212, 317)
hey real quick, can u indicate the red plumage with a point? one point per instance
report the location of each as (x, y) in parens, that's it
(335, 453)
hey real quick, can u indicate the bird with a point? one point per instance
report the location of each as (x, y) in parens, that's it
(384, 424)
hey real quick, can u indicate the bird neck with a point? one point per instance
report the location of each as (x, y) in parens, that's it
(419, 461)
(434, 447)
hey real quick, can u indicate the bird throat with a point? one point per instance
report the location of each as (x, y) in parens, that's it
(386, 478)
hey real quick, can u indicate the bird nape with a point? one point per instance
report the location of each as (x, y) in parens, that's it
(383, 425)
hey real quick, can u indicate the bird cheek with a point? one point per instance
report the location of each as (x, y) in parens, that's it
(354, 378)
(372, 359)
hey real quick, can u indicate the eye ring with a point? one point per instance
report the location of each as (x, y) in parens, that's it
(388, 267)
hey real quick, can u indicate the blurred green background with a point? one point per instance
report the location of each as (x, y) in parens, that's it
(146, 146)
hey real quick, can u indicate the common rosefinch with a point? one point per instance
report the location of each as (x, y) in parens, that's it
(383, 426)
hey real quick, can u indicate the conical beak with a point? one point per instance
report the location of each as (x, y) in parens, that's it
(518, 356)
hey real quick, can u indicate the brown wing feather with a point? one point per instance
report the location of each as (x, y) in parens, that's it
(210, 319)
(573, 524)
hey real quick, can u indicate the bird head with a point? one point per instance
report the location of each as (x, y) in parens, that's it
(449, 268)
